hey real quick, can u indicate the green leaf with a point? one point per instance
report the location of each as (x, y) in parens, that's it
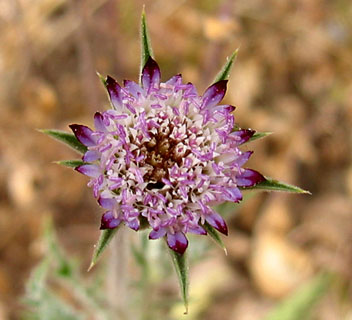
(146, 47)
(226, 69)
(52, 308)
(301, 303)
(259, 135)
(36, 284)
(54, 252)
(214, 235)
(270, 184)
(66, 138)
(42, 302)
(70, 163)
(104, 240)
(180, 263)
(58, 269)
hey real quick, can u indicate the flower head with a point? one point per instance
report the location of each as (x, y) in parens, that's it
(164, 155)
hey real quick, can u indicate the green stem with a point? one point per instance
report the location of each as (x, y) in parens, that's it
(147, 293)
(118, 277)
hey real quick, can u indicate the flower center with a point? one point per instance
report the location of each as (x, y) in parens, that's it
(160, 154)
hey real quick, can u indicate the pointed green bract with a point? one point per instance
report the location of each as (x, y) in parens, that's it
(226, 69)
(256, 135)
(104, 240)
(67, 138)
(259, 135)
(70, 163)
(180, 263)
(270, 184)
(214, 235)
(102, 79)
(146, 47)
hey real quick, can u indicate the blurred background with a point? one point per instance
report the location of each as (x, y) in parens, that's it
(293, 76)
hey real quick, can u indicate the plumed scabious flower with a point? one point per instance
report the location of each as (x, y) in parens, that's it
(164, 155)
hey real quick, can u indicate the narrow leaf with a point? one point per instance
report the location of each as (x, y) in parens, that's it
(70, 163)
(214, 235)
(104, 240)
(146, 47)
(275, 185)
(259, 135)
(66, 138)
(301, 303)
(226, 69)
(180, 263)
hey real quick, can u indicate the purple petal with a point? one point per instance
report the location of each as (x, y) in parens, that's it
(177, 242)
(214, 94)
(233, 194)
(150, 75)
(189, 90)
(197, 230)
(83, 134)
(107, 203)
(89, 170)
(133, 88)
(115, 93)
(156, 234)
(99, 122)
(216, 221)
(224, 107)
(248, 178)
(175, 80)
(243, 135)
(108, 221)
(243, 158)
(134, 224)
(91, 156)
(228, 107)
